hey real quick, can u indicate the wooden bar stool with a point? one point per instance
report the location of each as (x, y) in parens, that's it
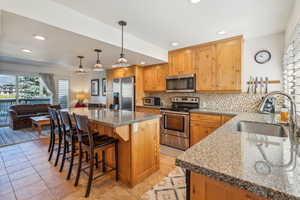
(70, 140)
(55, 130)
(90, 144)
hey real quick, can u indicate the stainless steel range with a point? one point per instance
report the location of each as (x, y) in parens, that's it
(175, 123)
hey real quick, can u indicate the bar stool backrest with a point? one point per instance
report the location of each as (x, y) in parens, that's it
(65, 120)
(83, 128)
(54, 119)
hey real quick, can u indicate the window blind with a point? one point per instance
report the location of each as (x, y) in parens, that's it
(291, 68)
(63, 93)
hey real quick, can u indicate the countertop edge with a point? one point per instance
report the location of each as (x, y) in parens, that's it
(262, 191)
(115, 125)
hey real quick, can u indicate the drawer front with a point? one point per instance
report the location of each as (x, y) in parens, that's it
(148, 110)
(207, 120)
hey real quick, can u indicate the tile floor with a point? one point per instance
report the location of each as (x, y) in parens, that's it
(25, 174)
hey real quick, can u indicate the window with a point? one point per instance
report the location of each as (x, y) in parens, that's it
(291, 68)
(63, 93)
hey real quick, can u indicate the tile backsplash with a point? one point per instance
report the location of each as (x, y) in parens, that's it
(228, 102)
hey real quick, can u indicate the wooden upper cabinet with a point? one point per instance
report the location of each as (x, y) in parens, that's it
(217, 65)
(228, 75)
(155, 78)
(204, 65)
(180, 62)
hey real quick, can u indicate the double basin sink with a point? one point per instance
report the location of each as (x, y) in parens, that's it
(261, 128)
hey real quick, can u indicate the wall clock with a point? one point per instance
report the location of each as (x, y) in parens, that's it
(262, 56)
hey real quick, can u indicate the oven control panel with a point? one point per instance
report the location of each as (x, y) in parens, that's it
(185, 99)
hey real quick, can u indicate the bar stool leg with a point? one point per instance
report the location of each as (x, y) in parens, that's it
(79, 165)
(52, 146)
(72, 159)
(51, 140)
(66, 144)
(91, 173)
(103, 161)
(117, 161)
(59, 149)
(96, 160)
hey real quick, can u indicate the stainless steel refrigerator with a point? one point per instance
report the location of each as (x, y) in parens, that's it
(124, 93)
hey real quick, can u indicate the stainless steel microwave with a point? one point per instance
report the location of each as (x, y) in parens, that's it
(184, 83)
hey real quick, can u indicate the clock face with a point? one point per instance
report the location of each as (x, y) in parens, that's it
(262, 57)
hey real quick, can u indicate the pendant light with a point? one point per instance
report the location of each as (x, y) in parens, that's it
(122, 61)
(98, 66)
(80, 69)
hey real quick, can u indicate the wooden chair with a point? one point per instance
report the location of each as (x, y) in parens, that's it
(70, 140)
(55, 129)
(90, 144)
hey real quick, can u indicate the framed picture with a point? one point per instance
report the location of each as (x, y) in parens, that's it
(95, 87)
(104, 87)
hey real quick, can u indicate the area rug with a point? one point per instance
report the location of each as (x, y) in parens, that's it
(171, 187)
(10, 137)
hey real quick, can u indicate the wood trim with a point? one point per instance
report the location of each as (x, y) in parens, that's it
(219, 91)
(209, 43)
(163, 63)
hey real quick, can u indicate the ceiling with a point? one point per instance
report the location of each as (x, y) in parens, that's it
(164, 21)
(60, 49)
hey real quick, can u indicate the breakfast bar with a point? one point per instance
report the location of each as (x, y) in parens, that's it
(138, 135)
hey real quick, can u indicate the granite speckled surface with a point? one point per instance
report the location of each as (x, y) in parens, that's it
(247, 160)
(154, 107)
(113, 118)
(214, 111)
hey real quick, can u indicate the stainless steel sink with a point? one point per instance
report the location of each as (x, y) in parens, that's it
(262, 128)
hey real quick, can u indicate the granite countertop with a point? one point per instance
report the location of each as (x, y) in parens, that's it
(248, 161)
(154, 107)
(113, 118)
(213, 111)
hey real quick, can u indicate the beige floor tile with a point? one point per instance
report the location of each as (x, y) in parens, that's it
(45, 195)
(26, 181)
(63, 190)
(8, 196)
(22, 173)
(29, 191)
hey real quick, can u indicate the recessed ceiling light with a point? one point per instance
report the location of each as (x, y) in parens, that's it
(222, 32)
(195, 1)
(39, 37)
(26, 51)
(174, 44)
(143, 62)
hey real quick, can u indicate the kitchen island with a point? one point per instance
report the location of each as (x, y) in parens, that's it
(138, 135)
(230, 164)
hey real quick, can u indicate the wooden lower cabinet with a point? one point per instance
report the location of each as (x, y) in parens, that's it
(205, 188)
(201, 125)
(148, 110)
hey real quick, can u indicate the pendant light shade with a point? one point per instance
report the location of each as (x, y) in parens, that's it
(122, 61)
(98, 66)
(80, 69)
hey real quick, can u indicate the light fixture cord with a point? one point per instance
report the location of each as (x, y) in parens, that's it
(122, 51)
(80, 66)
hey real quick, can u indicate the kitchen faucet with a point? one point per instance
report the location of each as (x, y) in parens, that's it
(293, 127)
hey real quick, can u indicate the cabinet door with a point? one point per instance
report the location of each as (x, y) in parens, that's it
(180, 62)
(204, 65)
(199, 132)
(161, 72)
(229, 65)
(226, 118)
(155, 78)
(149, 74)
(205, 188)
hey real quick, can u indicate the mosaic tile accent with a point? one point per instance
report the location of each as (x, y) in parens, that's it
(230, 102)
(171, 187)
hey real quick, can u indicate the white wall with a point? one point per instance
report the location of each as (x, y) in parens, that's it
(294, 19)
(273, 69)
